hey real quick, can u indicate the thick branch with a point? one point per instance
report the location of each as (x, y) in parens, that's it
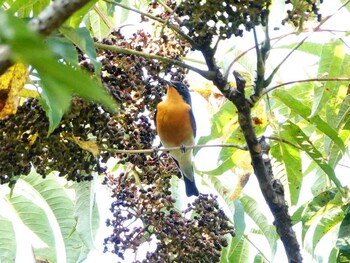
(272, 189)
(51, 18)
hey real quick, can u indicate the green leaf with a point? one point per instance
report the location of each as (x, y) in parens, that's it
(35, 218)
(289, 157)
(39, 6)
(251, 208)
(99, 21)
(76, 19)
(7, 241)
(221, 122)
(241, 252)
(308, 212)
(343, 241)
(259, 259)
(83, 212)
(303, 140)
(240, 226)
(307, 47)
(82, 39)
(57, 79)
(331, 59)
(20, 5)
(305, 112)
(62, 209)
(63, 48)
(328, 222)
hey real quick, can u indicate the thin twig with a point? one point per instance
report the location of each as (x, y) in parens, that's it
(238, 146)
(303, 80)
(203, 73)
(284, 141)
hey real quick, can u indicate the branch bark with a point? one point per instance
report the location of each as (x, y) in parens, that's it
(271, 188)
(50, 19)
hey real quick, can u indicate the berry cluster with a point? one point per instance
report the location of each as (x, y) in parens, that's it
(178, 238)
(302, 11)
(206, 19)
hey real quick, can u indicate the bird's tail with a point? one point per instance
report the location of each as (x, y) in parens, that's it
(191, 188)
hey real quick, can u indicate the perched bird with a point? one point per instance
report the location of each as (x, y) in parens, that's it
(176, 127)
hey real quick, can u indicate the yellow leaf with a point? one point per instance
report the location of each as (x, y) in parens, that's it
(11, 83)
(90, 145)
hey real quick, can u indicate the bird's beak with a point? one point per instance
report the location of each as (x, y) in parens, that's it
(169, 83)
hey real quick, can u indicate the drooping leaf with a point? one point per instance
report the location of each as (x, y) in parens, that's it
(289, 157)
(62, 207)
(36, 219)
(251, 208)
(303, 140)
(241, 252)
(310, 211)
(343, 241)
(85, 204)
(302, 110)
(328, 222)
(57, 79)
(7, 241)
(331, 59)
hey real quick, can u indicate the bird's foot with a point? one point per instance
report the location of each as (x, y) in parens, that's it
(183, 148)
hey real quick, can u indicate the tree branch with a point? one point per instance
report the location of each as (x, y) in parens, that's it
(206, 74)
(271, 188)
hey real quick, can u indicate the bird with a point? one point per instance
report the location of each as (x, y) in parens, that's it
(176, 127)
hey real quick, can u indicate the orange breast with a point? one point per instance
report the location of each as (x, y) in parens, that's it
(174, 123)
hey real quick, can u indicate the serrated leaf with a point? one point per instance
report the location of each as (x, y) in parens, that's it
(252, 210)
(304, 111)
(7, 241)
(303, 140)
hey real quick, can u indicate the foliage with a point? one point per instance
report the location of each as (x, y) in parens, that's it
(96, 89)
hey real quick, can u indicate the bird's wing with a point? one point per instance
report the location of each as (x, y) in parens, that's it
(193, 123)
